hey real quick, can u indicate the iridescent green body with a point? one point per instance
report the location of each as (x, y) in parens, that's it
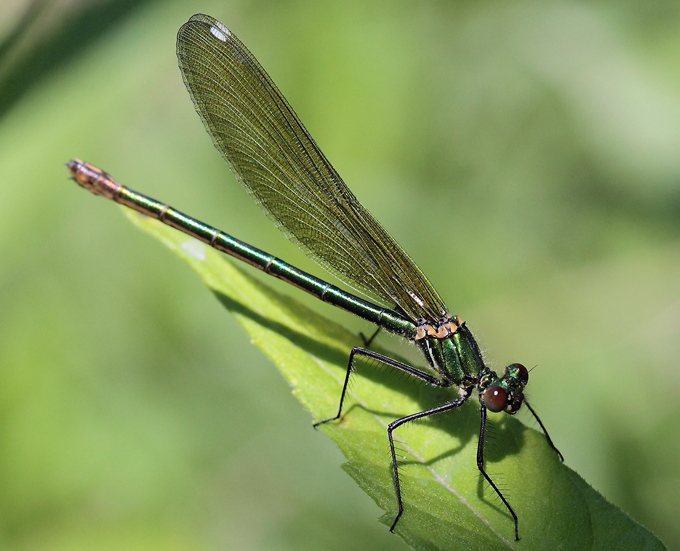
(456, 356)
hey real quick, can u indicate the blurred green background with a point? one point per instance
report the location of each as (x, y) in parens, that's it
(526, 155)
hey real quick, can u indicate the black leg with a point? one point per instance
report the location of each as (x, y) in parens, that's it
(417, 373)
(398, 423)
(367, 341)
(480, 466)
(544, 431)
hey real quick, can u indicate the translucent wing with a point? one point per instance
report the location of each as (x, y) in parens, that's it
(277, 161)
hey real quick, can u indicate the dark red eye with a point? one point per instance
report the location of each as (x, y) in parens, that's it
(522, 374)
(495, 398)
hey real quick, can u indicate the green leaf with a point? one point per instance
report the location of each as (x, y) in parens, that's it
(446, 503)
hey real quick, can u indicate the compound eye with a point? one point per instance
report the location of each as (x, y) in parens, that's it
(522, 374)
(495, 398)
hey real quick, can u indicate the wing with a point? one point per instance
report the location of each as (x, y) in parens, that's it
(284, 171)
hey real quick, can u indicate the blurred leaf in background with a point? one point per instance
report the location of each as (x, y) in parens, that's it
(540, 140)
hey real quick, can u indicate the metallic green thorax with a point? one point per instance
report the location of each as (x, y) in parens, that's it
(456, 357)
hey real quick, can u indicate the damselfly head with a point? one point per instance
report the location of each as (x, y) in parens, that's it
(506, 393)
